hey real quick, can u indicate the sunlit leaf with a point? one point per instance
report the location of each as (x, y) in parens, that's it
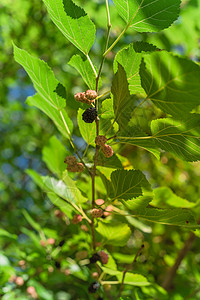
(147, 15)
(87, 130)
(180, 138)
(114, 234)
(123, 103)
(73, 22)
(127, 184)
(171, 82)
(53, 155)
(85, 70)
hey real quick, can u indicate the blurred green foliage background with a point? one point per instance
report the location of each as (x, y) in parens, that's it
(25, 131)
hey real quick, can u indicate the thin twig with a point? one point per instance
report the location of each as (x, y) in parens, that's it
(106, 46)
(128, 267)
(168, 280)
(93, 174)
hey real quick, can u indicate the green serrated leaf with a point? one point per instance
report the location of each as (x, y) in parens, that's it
(114, 234)
(53, 114)
(130, 278)
(45, 83)
(123, 103)
(53, 155)
(111, 162)
(127, 184)
(73, 22)
(107, 111)
(85, 70)
(148, 15)
(135, 136)
(42, 77)
(61, 91)
(138, 203)
(164, 196)
(144, 47)
(65, 188)
(65, 207)
(171, 82)
(176, 216)
(87, 130)
(182, 138)
(130, 60)
(133, 279)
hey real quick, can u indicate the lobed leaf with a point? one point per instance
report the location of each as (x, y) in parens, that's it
(148, 15)
(73, 22)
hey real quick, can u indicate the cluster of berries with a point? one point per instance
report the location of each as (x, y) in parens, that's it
(99, 212)
(73, 165)
(106, 149)
(87, 97)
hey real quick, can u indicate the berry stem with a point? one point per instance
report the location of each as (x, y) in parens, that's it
(106, 46)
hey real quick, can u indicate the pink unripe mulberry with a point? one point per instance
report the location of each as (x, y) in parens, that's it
(107, 211)
(43, 243)
(91, 94)
(78, 167)
(31, 290)
(99, 201)
(19, 281)
(107, 150)
(71, 160)
(103, 257)
(76, 219)
(97, 213)
(51, 241)
(81, 97)
(100, 140)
